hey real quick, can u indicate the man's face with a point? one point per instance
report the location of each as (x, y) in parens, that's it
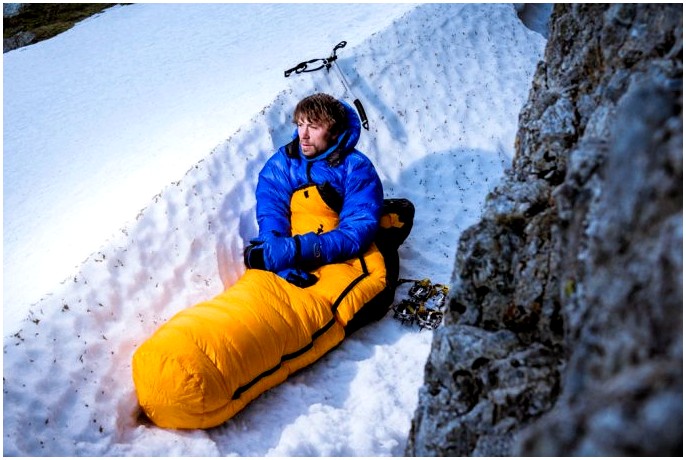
(315, 137)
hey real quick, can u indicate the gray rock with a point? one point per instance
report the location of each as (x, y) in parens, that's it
(18, 40)
(11, 9)
(564, 335)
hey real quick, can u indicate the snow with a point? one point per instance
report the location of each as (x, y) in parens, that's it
(108, 233)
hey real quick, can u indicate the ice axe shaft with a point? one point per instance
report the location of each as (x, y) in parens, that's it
(358, 104)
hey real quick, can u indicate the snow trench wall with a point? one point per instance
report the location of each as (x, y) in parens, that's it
(564, 335)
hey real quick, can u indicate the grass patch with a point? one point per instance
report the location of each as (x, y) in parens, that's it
(45, 20)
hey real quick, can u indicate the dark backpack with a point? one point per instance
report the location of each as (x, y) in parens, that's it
(397, 218)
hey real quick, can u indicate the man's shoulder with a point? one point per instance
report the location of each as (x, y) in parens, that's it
(357, 159)
(276, 166)
(281, 156)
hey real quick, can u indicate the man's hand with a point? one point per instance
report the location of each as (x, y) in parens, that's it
(276, 253)
(253, 256)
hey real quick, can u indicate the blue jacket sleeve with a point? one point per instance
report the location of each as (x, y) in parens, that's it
(359, 216)
(273, 195)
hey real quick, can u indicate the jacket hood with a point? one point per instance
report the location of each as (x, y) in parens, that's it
(345, 144)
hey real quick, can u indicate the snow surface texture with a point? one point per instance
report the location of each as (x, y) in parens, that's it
(442, 86)
(103, 117)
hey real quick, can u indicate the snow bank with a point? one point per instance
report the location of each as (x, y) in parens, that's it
(101, 118)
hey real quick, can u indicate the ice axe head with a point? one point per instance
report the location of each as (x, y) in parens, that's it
(336, 48)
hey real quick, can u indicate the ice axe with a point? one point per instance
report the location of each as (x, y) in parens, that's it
(320, 63)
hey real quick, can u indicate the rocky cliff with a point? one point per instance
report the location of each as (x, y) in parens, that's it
(564, 335)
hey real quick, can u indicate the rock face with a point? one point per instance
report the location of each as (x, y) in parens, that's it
(564, 335)
(11, 9)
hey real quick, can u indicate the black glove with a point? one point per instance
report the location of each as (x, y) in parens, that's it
(253, 256)
(298, 277)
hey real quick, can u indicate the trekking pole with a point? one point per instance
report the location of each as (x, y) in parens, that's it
(327, 63)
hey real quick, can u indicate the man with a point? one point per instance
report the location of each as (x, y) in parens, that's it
(322, 153)
(318, 208)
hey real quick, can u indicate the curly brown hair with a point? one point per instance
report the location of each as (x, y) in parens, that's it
(322, 108)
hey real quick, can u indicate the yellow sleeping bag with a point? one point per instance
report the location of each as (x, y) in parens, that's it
(209, 361)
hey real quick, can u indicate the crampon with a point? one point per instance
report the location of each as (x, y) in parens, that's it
(424, 305)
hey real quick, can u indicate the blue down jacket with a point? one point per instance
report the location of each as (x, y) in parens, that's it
(349, 184)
